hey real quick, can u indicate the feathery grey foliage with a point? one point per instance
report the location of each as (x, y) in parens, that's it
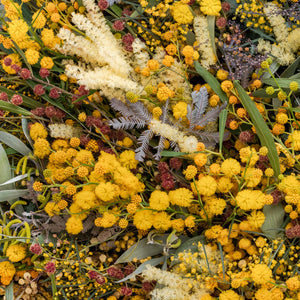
(136, 115)
(199, 105)
(160, 147)
(211, 115)
(126, 123)
(143, 140)
(131, 110)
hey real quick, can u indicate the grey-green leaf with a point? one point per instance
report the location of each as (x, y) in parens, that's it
(222, 123)
(261, 94)
(25, 130)
(212, 81)
(274, 220)
(9, 291)
(262, 130)
(290, 70)
(190, 245)
(152, 262)
(13, 142)
(5, 173)
(140, 250)
(273, 67)
(172, 153)
(284, 83)
(14, 108)
(15, 179)
(8, 195)
(27, 101)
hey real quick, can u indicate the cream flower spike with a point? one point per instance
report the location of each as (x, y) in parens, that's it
(105, 66)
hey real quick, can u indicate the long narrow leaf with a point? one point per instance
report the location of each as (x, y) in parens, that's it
(24, 123)
(212, 81)
(15, 179)
(27, 101)
(261, 127)
(290, 70)
(222, 122)
(166, 153)
(152, 262)
(283, 82)
(5, 173)
(139, 250)
(8, 195)
(9, 291)
(14, 108)
(13, 142)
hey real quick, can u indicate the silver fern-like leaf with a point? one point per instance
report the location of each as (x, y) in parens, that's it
(200, 102)
(160, 147)
(143, 140)
(163, 116)
(126, 123)
(121, 107)
(174, 146)
(140, 111)
(211, 115)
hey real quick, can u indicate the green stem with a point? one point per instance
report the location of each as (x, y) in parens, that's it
(53, 284)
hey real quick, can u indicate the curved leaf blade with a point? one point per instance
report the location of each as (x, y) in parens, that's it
(262, 130)
(222, 123)
(212, 81)
(14, 108)
(139, 250)
(153, 262)
(274, 220)
(5, 173)
(13, 142)
(8, 195)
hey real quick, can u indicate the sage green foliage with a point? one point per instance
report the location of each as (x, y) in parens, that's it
(265, 136)
(212, 81)
(274, 215)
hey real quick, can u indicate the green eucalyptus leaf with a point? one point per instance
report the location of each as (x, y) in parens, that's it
(190, 38)
(283, 82)
(172, 153)
(13, 142)
(191, 244)
(261, 94)
(262, 130)
(27, 101)
(5, 173)
(273, 68)
(222, 123)
(8, 195)
(274, 220)
(24, 122)
(212, 81)
(276, 103)
(290, 70)
(152, 262)
(262, 34)
(6, 106)
(13, 180)
(140, 250)
(9, 291)
(188, 245)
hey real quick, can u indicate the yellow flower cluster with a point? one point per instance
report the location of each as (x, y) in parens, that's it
(18, 33)
(156, 214)
(7, 272)
(106, 179)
